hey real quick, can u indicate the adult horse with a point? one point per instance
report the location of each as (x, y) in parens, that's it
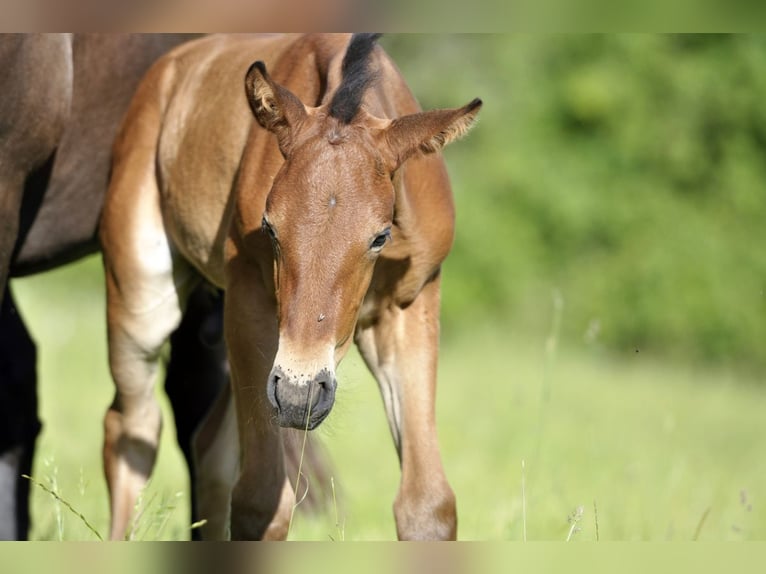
(332, 231)
(63, 97)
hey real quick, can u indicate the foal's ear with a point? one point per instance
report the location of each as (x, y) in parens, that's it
(276, 108)
(427, 132)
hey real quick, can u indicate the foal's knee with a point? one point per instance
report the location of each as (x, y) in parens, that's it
(429, 514)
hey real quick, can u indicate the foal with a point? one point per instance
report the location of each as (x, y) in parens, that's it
(330, 229)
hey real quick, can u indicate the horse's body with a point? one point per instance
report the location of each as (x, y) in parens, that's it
(296, 229)
(63, 98)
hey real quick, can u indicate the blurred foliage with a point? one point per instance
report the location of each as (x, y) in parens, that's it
(627, 173)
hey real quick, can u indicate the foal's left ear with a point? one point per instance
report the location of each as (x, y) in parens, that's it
(426, 132)
(276, 108)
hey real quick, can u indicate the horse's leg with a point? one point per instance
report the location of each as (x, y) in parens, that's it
(146, 283)
(198, 379)
(18, 379)
(143, 309)
(262, 497)
(401, 351)
(19, 425)
(215, 451)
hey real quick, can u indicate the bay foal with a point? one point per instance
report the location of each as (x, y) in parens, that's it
(330, 229)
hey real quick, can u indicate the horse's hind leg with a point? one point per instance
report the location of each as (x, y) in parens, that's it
(146, 283)
(19, 424)
(18, 395)
(401, 351)
(216, 459)
(197, 384)
(143, 308)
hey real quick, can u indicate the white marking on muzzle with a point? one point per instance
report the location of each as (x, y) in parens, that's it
(302, 366)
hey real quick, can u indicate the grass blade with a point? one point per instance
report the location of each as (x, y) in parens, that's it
(55, 495)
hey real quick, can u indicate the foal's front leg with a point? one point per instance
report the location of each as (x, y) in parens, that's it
(262, 497)
(401, 351)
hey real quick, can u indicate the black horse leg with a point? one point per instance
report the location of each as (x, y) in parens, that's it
(197, 371)
(19, 425)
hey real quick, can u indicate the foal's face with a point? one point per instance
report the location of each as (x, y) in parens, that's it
(329, 215)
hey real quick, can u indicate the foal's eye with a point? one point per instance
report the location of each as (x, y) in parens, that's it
(380, 240)
(268, 228)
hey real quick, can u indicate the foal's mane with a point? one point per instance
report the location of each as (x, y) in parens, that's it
(357, 77)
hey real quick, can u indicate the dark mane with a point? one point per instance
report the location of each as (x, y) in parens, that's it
(356, 77)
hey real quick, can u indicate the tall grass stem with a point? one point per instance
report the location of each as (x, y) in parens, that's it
(595, 518)
(55, 495)
(523, 502)
(551, 348)
(700, 524)
(300, 463)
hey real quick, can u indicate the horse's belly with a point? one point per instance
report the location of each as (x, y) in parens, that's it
(195, 194)
(196, 227)
(204, 131)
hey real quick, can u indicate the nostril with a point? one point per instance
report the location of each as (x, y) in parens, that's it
(325, 391)
(325, 380)
(271, 389)
(316, 390)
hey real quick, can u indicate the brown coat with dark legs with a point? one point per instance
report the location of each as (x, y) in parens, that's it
(330, 229)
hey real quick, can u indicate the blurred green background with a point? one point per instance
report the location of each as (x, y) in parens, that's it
(626, 172)
(603, 320)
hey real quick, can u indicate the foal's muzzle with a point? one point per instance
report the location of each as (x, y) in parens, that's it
(302, 404)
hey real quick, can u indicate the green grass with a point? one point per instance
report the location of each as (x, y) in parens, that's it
(666, 451)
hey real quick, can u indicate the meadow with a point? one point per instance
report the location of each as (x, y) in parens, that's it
(541, 440)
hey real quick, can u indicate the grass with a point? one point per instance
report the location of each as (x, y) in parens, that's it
(669, 451)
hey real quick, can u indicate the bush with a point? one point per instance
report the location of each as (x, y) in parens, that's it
(627, 172)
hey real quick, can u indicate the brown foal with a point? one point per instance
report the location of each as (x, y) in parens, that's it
(330, 229)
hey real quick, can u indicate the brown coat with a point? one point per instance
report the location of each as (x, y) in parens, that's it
(332, 231)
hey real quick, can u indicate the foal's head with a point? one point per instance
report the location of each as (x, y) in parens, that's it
(329, 216)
